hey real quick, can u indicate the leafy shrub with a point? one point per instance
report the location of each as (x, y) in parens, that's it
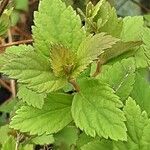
(80, 86)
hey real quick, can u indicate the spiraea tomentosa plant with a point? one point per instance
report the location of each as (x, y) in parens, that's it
(79, 87)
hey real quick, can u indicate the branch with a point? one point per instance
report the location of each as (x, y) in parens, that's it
(16, 43)
(12, 82)
(75, 85)
(2, 83)
(3, 5)
(98, 69)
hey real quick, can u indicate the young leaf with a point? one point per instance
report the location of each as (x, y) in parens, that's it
(31, 97)
(40, 121)
(141, 93)
(91, 48)
(63, 61)
(34, 70)
(113, 25)
(54, 23)
(98, 100)
(138, 126)
(102, 18)
(120, 76)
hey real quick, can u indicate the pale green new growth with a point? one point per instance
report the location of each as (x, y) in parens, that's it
(63, 61)
(103, 18)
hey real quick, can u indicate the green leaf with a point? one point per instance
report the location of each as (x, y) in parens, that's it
(138, 126)
(141, 93)
(4, 132)
(13, 52)
(98, 100)
(4, 24)
(103, 18)
(113, 25)
(54, 23)
(142, 56)
(9, 144)
(43, 140)
(83, 140)
(120, 76)
(62, 61)
(34, 70)
(146, 34)
(91, 48)
(31, 97)
(118, 49)
(66, 138)
(98, 145)
(146, 47)
(132, 28)
(40, 121)
(26, 147)
(8, 106)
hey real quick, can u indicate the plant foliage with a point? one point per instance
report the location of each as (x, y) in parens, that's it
(79, 86)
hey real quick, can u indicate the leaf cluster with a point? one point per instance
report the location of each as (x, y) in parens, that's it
(79, 86)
